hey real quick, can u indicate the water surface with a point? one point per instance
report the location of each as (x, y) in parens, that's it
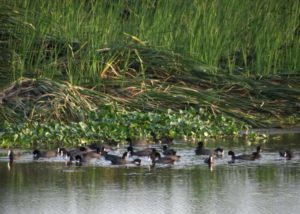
(269, 185)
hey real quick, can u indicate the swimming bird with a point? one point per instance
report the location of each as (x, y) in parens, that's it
(117, 160)
(209, 160)
(79, 151)
(156, 158)
(168, 151)
(162, 140)
(62, 152)
(137, 142)
(11, 155)
(257, 154)
(200, 150)
(241, 157)
(10, 159)
(43, 154)
(109, 144)
(123, 160)
(173, 157)
(288, 155)
(140, 153)
(107, 156)
(87, 156)
(218, 152)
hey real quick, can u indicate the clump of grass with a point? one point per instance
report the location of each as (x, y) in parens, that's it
(43, 99)
(144, 79)
(158, 80)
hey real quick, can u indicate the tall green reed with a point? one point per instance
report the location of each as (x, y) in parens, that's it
(253, 37)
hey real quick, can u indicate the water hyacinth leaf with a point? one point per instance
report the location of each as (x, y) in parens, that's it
(16, 136)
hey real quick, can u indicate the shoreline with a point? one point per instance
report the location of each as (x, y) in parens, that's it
(273, 131)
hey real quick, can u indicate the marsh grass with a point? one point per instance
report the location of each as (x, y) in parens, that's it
(256, 37)
(226, 58)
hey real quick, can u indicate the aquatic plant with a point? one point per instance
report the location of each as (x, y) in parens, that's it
(105, 125)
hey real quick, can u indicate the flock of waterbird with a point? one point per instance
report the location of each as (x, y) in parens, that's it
(137, 149)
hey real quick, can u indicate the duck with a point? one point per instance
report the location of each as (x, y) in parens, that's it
(109, 144)
(117, 160)
(79, 151)
(173, 157)
(168, 151)
(140, 153)
(86, 156)
(62, 152)
(241, 157)
(107, 156)
(137, 142)
(114, 158)
(157, 159)
(219, 152)
(10, 159)
(209, 160)
(162, 140)
(43, 154)
(11, 155)
(200, 150)
(93, 146)
(288, 155)
(257, 154)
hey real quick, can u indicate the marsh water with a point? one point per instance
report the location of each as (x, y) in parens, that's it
(269, 185)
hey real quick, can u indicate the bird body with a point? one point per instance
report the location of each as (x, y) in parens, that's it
(11, 155)
(209, 160)
(139, 153)
(87, 156)
(157, 159)
(168, 151)
(162, 140)
(200, 150)
(137, 142)
(234, 157)
(257, 154)
(43, 154)
(288, 155)
(117, 160)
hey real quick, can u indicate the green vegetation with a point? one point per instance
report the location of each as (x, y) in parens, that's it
(106, 125)
(211, 68)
